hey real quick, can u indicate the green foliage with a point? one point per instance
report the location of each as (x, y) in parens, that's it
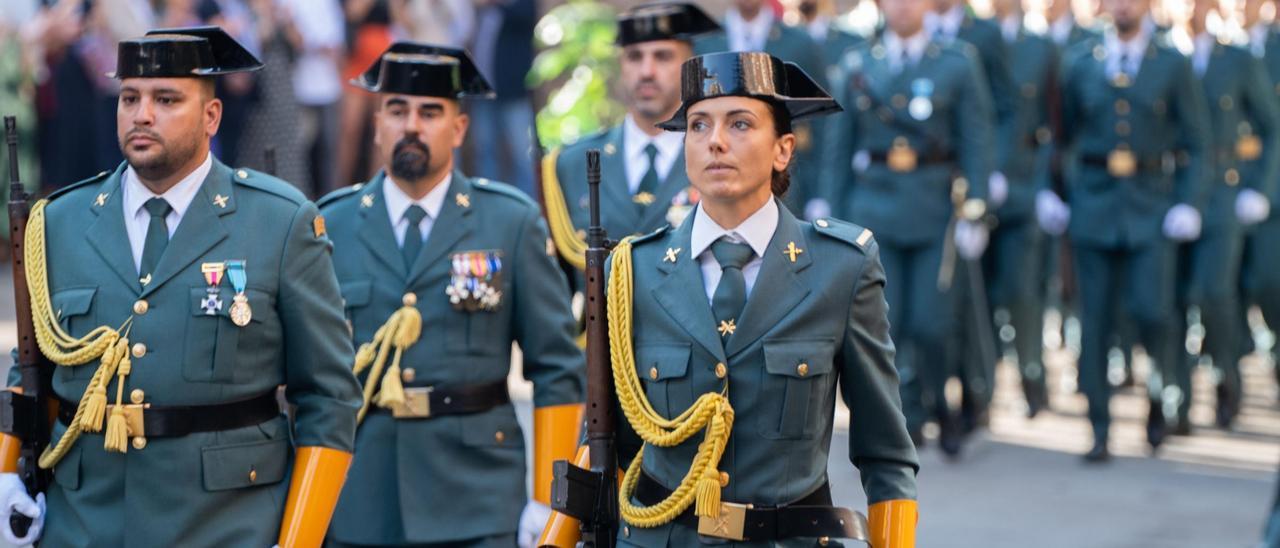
(579, 58)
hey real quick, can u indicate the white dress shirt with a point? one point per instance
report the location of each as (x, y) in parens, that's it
(1060, 30)
(1135, 49)
(914, 46)
(398, 203)
(1009, 28)
(747, 35)
(1201, 49)
(755, 231)
(134, 195)
(818, 28)
(946, 23)
(668, 143)
(1258, 39)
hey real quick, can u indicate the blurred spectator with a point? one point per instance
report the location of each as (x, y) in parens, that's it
(445, 22)
(237, 91)
(369, 34)
(275, 116)
(315, 31)
(503, 49)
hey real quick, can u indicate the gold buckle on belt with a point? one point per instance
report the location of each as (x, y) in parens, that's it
(417, 404)
(901, 157)
(730, 525)
(1121, 162)
(132, 417)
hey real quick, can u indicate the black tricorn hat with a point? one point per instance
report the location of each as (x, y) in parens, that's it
(425, 70)
(664, 21)
(749, 74)
(182, 52)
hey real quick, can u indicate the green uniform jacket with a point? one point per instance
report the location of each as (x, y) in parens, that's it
(912, 207)
(794, 45)
(454, 476)
(1254, 172)
(1161, 117)
(1033, 64)
(1241, 103)
(214, 488)
(826, 309)
(833, 48)
(986, 37)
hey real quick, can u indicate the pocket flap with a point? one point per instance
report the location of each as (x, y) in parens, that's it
(786, 357)
(73, 302)
(669, 360)
(356, 293)
(244, 464)
(496, 427)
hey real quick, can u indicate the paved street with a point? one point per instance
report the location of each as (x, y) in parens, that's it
(1022, 484)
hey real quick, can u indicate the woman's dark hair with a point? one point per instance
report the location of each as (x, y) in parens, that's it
(781, 180)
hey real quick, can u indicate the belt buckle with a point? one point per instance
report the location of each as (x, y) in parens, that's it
(133, 417)
(901, 157)
(1249, 147)
(1121, 162)
(730, 525)
(417, 403)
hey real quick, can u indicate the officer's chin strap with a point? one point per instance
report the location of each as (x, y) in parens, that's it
(401, 331)
(111, 345)
(711, 412)
(318, 476)
(892, 523)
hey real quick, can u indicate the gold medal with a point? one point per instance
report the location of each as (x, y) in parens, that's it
(240, 311)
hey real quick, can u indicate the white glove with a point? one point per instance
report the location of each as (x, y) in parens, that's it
(971, 239)
(997, 189)
(817, 208)
(14, 497)
(1053, 214)
(1252, 207)
(532, 520)
(1182, 223)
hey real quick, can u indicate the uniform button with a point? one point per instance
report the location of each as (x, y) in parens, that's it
(409, 299)
(1122, 128)
(137, 395)
(140, 307)
(499, 436)
(139, 350)
(1225, 102)
(653, 373)
(1122, 107)
(407, 375)
(1232, 177)
(802, 369)
(139, 443)
(721, 370)
(242, 174)
(824, 541)
(822, 223)
(253, 475)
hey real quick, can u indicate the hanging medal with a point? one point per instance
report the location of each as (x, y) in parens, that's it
(212, 303)
(241, 313)
(921, 105)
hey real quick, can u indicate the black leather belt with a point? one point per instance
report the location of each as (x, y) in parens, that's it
(882, 156)
(812, 516)
(173, 421)
(1145, 164)
(433, 401)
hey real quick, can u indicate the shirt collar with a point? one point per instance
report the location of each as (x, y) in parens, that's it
(398, 202)
(179, 195)
(915, 45)
(1258, 33)
(947, 22)
(1135, 47)
(755, 231)
(1061, 29)
(1010, 27)
(634, 140)
(818, 28)
(759, 26)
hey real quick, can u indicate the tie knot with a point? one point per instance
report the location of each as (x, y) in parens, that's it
(732, 255)
(651, 151)
(415, 214)
(158, 207)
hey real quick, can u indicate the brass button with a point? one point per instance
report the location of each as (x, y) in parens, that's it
(899, 101)
(822, 223)
(802, 369)
(1122, 107)
(721, 370)
(1122, 128)
(139, 443)
(139, 350)
(407, 375)
(499, 436)
(653, 373)
(1232, 177)
(409, 299)
(824, 541)
(1225, 102)
(242, 174)
(253, 475)
(140, 307)
(137, 395)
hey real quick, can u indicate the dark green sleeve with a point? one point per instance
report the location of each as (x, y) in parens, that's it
(1191, 113)
(973, 129)
(317, 348)
(542, 320)
(1260, 109)
(879, 445)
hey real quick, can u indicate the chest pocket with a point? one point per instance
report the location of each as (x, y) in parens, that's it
(73, 308)
(665, 370)
(795, 386)
(355, 297)
(211, 342)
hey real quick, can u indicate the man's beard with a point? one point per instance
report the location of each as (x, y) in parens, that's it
(162, 164)
(411, 159)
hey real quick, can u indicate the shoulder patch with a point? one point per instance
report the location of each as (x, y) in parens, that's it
(79, 184)
(268, 183)
(652, 236)
(339, 194)
(486, 185)
(846, 232)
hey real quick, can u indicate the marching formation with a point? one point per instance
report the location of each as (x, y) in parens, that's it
(793, 211)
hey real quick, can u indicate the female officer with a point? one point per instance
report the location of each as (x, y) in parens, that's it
(730, 334)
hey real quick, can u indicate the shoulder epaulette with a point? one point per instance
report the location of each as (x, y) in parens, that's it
(850, 233)
(650, 236)
(268, 183)
(480, 183)
(339, 194)
(78, 184)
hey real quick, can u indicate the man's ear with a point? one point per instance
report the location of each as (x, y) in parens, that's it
(460, 125)
(212, 116)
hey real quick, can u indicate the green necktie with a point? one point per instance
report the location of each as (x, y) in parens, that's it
(649, 184)
(731, 293)
(413, 235)
(157, 235)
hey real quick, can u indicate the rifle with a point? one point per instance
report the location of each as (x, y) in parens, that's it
(591, 495)
(25, 414)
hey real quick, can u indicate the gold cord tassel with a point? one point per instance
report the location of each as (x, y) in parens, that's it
(117, 436)
(401, 331)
